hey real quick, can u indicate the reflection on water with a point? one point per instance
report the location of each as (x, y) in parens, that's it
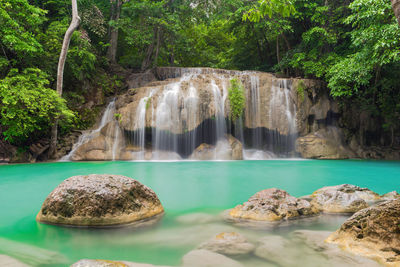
(194, 195)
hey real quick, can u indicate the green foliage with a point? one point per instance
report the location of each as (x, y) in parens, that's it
(270, 8)
(27, 105)
(354, 46)
(118, 116)
(237, 99)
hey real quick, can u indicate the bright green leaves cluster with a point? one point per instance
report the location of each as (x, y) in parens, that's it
(270, 8)
(237, 99)
(27, 105)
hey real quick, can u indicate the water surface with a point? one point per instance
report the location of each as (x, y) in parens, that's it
(185, 189)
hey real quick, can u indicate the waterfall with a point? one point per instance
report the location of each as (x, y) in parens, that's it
(219, 114)
(282, 109)
(190, 104)
(107, 117)
(139, 136)
(255, 111)
(167, 120)
(184, 115)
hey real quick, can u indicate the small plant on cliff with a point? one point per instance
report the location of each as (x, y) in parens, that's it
(236, 99)
(148, 103)
(301, 87)
(118, 116)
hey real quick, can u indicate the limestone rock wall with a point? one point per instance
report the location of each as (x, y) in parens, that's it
(179, 111)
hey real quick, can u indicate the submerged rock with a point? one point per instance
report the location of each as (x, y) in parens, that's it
(107, 263)
(9, 261)
(99, 200)
(231, 243)
(373, 232)
(206, 258)
(197, 218)
(276, 249)
(307, 248)
(343, 198)
(329, 254)
(273, 205)
(29, 254)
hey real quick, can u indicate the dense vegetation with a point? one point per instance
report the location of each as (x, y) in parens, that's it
(352, 45)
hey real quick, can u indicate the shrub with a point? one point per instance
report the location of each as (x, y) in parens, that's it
(236, 99)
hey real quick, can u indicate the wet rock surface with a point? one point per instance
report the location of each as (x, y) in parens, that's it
(273, 205)
(230, 243)
(323, 144)
(343, 198)
(99, 200)
(373, 232)
(226, 149)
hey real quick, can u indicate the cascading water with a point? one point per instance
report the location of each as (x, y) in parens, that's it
(255, 108)
(107, 117)
(190, 104)
(140, 126)
(167, 120)
(282, 109)
(187, 117)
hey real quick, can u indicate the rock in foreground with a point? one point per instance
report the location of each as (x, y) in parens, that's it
(373, 232)
(343, 198)
(273, 205)
(99, 200)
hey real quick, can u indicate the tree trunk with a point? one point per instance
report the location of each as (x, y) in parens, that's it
(115, 14)
(396, 9)
(159, 33)
(146, 63)
(60, 70)
(278, 56)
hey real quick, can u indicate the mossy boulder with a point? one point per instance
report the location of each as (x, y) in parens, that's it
(99, 200)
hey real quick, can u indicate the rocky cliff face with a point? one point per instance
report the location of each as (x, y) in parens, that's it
(173, 113)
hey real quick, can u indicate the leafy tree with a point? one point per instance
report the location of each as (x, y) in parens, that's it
(20, 24)
(27, 105)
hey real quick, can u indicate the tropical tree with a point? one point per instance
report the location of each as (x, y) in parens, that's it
(60, 71)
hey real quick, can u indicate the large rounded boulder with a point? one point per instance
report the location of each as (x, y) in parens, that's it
(99, 200)
(345, 198)
(372, 232)
(273, 205)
